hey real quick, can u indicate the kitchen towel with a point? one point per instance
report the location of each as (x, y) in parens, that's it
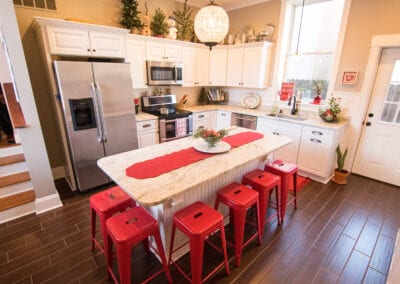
(163, 164)
(180, 127)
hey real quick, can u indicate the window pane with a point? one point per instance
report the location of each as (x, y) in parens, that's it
(40, 4)
(51, 4)
(389, 111)
(17, 2)
(393, 94)
(28, 3)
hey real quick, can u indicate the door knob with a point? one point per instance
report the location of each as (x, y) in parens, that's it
(368, 123)
(370, 114)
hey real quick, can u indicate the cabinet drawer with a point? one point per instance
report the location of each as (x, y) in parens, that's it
(201, 115)
(147, 125)
(318, 133)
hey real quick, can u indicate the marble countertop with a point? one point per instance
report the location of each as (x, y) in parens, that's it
(154, 191)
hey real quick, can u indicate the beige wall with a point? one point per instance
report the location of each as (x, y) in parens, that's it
(366, 19)
(103, 12)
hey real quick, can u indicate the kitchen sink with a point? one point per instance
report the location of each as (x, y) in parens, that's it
(287, 116)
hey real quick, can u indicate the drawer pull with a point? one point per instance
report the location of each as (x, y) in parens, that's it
(146, 125)
(315, 140)
(201, 116)
(317, 132)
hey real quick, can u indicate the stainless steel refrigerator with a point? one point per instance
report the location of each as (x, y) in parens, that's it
(99, 115)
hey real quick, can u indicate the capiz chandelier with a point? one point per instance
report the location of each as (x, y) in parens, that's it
(211, 24)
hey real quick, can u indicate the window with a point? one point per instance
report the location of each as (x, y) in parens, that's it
(312, 45)
(38, 4)
(391, 109)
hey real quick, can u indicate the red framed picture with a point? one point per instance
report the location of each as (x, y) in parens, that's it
(349, 77)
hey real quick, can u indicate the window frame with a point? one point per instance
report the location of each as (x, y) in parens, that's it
(282, 46)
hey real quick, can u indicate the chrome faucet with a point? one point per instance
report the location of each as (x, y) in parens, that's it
(294, 106)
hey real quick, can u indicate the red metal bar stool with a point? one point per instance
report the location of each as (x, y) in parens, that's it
(106, 204)
(264, 183)
(286, 171)
(239, 198)
(198, 221)
(126, 230)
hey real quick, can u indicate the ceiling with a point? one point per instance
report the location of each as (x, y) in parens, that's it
(228, 5)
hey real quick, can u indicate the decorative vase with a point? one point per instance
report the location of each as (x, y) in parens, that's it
(317, 100)
(340, 177)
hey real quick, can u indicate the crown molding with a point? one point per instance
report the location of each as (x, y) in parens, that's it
(228, 5)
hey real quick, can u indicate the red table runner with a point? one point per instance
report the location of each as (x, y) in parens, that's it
(163, 164)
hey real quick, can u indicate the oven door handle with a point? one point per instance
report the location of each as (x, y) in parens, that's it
(175, 73)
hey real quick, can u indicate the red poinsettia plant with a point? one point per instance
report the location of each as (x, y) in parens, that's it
(212, 137)
(332, 111)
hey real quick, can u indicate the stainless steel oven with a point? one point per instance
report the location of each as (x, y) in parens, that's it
(173, 123)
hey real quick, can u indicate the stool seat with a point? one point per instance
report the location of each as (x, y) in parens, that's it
(105, 204)
(286, 171)
(264, 182)
(239, 198)
(197, 221)
(126, 230)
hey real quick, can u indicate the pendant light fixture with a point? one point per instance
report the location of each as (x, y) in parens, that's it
(211, 24)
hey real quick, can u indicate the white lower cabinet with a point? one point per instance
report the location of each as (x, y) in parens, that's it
(223, 119)
(290, 151)
(317, 151)
(147, 132)
(201, 120)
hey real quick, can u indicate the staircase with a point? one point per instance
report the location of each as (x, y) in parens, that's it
(17, 197)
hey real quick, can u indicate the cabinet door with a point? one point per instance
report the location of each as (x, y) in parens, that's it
(218, 66)
(314, 156)
(64, 41)
(155, 50)
(253, 67)
(147, 132)
(189, 66)
(172, 52)
(235, 66)
(136, 56)
(107, 44)
(201, 119)
(202, 66)
(223, 120)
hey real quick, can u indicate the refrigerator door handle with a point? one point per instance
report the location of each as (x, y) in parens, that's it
(97, 114)
(101, 111)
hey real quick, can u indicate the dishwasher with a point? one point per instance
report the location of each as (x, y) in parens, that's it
(244, 120)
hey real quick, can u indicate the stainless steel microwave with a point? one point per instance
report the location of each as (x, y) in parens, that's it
(164, 73)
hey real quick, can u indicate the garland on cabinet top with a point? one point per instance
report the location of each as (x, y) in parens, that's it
(130, 15)
(184, 22)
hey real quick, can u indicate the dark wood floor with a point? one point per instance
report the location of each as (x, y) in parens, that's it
(338, 234)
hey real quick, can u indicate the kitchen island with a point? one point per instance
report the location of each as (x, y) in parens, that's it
(169, 192)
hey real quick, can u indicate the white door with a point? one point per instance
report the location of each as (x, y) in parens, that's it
(378, 154)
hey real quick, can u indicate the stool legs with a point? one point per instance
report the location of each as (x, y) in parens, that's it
(196, 258)
(295, 190)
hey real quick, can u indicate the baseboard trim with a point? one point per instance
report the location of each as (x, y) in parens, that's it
(58, 172)
(47, 203)
(17, 212)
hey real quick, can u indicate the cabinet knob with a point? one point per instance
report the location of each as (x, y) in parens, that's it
(94, 50)
(88, 49)
(368, 123)
(370, 114)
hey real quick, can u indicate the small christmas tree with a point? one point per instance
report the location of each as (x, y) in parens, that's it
(130, 15)
(158, 25)
(202, 99)
(184, 23)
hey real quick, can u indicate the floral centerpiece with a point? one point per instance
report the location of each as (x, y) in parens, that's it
(332, 111)
(212, 137)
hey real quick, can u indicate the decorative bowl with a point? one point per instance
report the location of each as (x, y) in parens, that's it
(329, 118)
(212, 137)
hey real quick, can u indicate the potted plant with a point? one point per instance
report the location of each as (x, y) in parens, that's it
(130, 15)
(158, 25)
(340, 174)
(332, 111)
(318, 88)
(184, 23)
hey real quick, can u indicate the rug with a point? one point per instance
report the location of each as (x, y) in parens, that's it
(301, 182)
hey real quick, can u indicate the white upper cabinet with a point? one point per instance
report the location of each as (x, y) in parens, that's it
(196, 62)
(77, 39)
(159, 50)
(136, 56)
(248, 65)
(218, 64)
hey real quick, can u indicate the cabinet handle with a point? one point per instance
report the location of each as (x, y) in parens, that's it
(223, 114)
(317, 132)
(315, 140)
(201, 116)
(146, 125)
(275, 133)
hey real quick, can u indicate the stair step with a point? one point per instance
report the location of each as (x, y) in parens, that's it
(9, 150)
(12, 159)
(17, 199)
(13, 168)
(14, 178)
(15, 188)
